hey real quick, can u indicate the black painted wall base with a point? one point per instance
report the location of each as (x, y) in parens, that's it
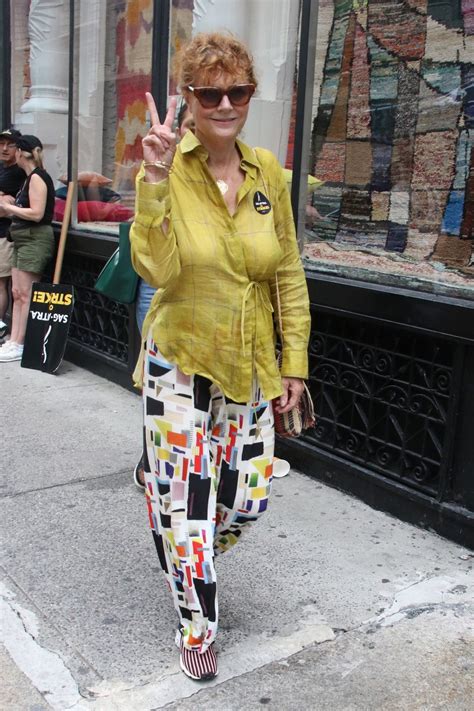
(99, 364)
(449, 520)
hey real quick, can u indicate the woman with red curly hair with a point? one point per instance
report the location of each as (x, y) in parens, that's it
(214, 233)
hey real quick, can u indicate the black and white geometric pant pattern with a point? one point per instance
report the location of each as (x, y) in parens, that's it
(208, 472)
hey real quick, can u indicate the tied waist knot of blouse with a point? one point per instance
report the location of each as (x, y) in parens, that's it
(260, 292)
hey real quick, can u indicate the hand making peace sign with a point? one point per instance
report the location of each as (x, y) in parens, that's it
(160, 142)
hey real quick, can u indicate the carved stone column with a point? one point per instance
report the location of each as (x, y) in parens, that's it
(48, 31)
(44, 113)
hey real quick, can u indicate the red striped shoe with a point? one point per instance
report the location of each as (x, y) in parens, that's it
(200, 667)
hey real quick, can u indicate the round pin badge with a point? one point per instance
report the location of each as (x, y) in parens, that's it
(261, 203)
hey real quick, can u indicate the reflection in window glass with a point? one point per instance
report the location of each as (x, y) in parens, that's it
(392, 139)
(39, 76)
(114, 70)
(181, 31)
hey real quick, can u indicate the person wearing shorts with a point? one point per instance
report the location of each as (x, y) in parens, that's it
(12, 178)
(32, 235)
(33, 248)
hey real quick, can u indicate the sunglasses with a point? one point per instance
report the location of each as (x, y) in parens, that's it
(211, 96)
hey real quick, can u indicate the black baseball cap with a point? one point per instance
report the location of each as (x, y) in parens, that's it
(11, 134)
(28, 143)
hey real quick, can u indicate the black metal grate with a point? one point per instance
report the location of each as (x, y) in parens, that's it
(98, 322)
(382, 397)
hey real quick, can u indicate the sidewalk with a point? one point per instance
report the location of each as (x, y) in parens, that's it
(326, 605)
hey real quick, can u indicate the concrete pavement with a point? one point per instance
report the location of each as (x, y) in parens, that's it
(327, 604)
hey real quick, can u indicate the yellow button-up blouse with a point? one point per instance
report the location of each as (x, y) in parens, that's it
(212, 313)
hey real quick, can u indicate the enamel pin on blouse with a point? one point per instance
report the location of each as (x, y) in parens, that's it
(261, 203)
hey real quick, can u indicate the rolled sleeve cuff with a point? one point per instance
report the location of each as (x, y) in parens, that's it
(152, 201)
(295, 364)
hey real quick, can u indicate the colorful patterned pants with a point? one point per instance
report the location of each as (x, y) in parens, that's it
(208, 471)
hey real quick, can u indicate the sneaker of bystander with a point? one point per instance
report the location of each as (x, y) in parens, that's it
(10, 351)
(6, 346)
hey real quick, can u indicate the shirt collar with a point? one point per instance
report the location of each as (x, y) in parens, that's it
(190, 143)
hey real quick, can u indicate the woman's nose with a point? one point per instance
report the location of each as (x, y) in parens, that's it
(225, 103)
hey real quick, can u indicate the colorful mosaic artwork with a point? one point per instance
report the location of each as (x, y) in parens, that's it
(208, 471)
(394, 129)
(134, 24)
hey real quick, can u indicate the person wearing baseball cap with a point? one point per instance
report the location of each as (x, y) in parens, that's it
(32, 235)
(28, 143)
(10, 134)
(12, 178)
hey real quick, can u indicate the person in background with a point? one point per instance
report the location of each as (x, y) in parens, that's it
(185, 120)
(311, 213)
(32, 235)
(145, 291)
(214, 233)
(12, 178)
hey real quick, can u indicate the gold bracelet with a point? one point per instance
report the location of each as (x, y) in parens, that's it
(157, 164)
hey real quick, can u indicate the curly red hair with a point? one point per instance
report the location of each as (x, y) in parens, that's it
(209, 54)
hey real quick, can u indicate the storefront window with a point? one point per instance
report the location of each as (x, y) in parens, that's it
(181, 31)
(393, 142)
(114, 70)
(113, 45)
(39, 75)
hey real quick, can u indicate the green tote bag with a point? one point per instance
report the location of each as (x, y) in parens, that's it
(118, 280)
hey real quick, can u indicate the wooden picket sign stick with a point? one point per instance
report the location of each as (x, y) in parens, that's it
(63, 235)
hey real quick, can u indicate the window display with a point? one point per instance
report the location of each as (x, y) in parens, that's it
(39, 75)
(114, 71)
(391, 191)
(392, 139)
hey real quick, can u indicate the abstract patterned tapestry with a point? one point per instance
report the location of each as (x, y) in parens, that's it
(134, 24)
(393, 129)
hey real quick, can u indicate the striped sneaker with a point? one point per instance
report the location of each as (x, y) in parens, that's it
(200, 667)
